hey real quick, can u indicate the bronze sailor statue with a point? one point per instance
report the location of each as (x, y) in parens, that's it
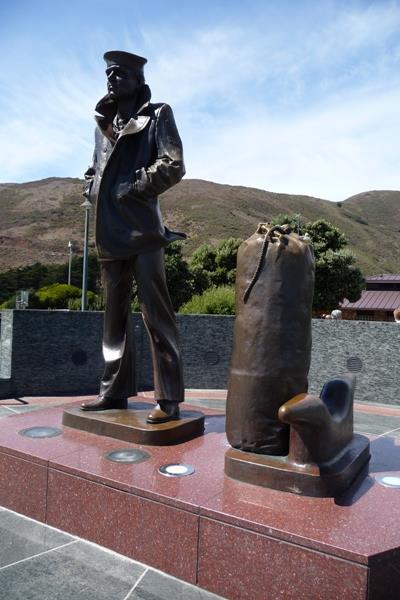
(138, 155)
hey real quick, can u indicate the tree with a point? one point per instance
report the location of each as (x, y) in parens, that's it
(179, 277)
(202, 265)
(284, 219)
(225, 261)
(36, 276)
(336, 276)
(325, 237)
(28, 278)
(214, 265)
(77, 270)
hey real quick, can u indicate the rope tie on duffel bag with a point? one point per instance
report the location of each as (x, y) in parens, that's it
(271, 235)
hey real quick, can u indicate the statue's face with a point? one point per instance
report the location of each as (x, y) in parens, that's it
(121, 83)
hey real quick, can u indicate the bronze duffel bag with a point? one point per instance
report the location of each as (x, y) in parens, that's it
(272, 337)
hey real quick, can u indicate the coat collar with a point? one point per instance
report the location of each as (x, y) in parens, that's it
(107, 109)
(134, 125)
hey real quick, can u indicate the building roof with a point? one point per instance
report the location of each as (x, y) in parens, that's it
(375, 300)
(384, 278)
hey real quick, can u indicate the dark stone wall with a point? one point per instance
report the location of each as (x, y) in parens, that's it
(59, 352)
(54, 351)
(369, 349)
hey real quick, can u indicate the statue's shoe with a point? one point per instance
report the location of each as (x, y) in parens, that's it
(105, 403)
(164, 412)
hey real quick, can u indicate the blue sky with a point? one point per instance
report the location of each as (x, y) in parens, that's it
(296, 96)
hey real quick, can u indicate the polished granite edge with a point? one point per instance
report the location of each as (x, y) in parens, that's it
(24, 456)
(273, 569)
(290, 540)
(130, 491)
(245, 525)
(23, 486)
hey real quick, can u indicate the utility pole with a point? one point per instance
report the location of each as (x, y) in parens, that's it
(87, 206)
(70, 262)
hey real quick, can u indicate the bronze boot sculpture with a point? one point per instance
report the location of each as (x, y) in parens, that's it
(324, 423)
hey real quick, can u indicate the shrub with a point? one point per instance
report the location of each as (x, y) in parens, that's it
(56, 295)
(214, 301)
(10, 303)
(94, 302)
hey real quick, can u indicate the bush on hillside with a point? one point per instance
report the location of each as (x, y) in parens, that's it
(56, 295)
(214, 301)
(94, 302)
(10, 303)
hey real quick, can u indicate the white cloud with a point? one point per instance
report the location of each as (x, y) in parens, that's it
(49, 122)
(332, 152)
(251, 62)
(311, 108)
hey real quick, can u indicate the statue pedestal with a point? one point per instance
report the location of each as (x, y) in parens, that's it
(130, 425)
(236, 540)
(296, 473)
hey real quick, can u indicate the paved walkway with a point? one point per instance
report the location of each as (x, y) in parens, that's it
(38, 562)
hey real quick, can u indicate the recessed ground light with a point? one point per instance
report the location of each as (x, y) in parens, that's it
(127, 456)
(40, 432)
(389, 481)
(176, 470)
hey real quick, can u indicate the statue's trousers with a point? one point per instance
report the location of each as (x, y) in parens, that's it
(119, 377)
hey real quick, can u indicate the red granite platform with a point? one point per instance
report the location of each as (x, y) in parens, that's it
(232, 538)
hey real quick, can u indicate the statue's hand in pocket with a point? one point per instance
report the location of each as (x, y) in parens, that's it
(123, 190)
